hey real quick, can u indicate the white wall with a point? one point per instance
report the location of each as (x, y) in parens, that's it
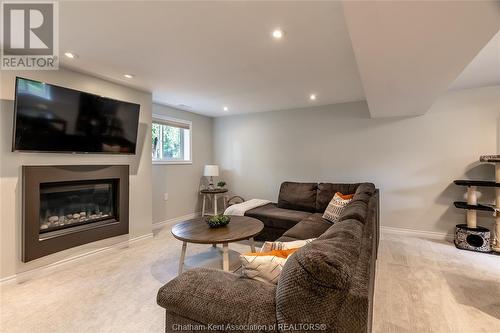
(412, 160)
(10, 167)
(182, 182)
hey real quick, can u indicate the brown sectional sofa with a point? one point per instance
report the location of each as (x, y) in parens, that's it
(327, 283)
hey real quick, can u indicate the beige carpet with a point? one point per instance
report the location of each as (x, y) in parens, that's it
(427, 285)
(422, 286)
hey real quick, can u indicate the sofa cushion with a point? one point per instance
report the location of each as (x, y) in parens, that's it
(298, 196)
(366, 187)
(316, 279)
(355, 210)
(354, 313)
(364, 192)
(272, 216)
(326, 191)
(270, 234)
(363, 196)
(238, 300)
(286, 239)
(331, 260)
(342, 228)
(310, 227)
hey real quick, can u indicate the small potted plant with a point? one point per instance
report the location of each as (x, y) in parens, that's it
(221, 184)
(218, 221)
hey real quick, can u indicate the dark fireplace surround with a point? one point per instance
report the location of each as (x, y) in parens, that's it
(71, 205)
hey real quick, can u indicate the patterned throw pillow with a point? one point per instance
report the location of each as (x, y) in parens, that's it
(270, 246)
(264, 266)
(337, 206)
(267, 264)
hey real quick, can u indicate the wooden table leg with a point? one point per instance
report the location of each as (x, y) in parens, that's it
(203, 206)
(225, 257)
(252, 244)
(215, 204)
(183, 256)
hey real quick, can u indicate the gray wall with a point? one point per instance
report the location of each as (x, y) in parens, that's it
(498, 135)
(10, 167)
(412, 160)
(182, 182)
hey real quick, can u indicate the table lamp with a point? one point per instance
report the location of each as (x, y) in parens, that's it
(211, 171)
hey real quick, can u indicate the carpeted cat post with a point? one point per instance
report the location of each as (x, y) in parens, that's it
(495, 159)
(470, 236)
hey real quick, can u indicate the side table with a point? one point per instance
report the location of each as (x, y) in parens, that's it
(213, 193)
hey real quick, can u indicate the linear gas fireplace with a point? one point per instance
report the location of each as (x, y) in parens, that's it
(67, 206)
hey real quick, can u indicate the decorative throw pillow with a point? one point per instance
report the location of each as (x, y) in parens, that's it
(337, 206)
(270, 246)
(267, 264)
(264, 266)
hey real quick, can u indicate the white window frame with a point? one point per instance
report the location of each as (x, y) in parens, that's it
(161, 119)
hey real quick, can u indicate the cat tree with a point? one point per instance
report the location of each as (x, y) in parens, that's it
(470, 236)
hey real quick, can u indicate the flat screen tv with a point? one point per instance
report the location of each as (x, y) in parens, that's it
(48, 118)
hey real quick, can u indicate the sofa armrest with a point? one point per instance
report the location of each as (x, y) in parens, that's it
(213, 297)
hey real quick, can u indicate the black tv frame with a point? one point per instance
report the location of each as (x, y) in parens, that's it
(14, 150)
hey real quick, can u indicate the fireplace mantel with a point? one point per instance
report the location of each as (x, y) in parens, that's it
(47, 230)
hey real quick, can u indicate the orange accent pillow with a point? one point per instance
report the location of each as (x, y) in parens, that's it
(345, 196)
(277, 253)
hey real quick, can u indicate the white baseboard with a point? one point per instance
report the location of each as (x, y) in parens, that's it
(416, 233)
(159, 225)
(40, 271)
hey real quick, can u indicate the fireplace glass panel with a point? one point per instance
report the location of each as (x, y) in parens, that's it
(71, 204)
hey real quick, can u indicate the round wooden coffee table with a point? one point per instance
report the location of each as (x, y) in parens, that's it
(198, 231)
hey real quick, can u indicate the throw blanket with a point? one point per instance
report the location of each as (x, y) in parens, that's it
(241, 208)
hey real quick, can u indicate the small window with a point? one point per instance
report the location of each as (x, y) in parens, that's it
(171, 141)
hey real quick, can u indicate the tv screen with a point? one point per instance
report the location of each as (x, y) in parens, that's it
(49, 118)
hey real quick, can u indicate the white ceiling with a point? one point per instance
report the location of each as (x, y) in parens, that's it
(484, 70)
(210, 54)
(409, 52)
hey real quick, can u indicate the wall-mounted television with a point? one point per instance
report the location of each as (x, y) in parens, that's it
(49, 118)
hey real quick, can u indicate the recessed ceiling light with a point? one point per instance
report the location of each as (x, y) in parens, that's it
(70, 55)
(278, 34)
(312, 97)
(128, 76)
(225, 108)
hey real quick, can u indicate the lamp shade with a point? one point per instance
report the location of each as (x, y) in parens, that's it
(211, 171)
